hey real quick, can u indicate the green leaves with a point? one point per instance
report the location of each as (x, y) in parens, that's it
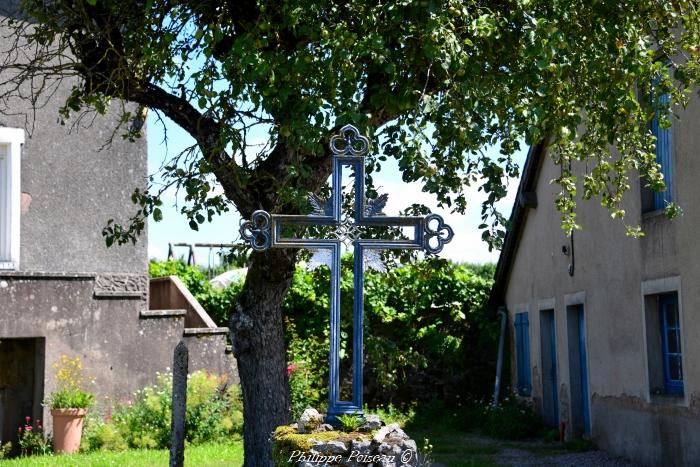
(419, 318)
(433, 84)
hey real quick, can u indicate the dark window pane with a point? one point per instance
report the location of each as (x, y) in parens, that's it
(675, 368)
(672, 315)
(674, 341)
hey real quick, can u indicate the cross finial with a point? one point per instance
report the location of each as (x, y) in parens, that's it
(354, 143)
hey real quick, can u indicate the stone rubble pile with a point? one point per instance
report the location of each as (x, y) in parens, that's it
(374, 444)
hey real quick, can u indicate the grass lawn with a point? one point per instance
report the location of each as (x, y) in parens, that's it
(455, 448)
(205, 455)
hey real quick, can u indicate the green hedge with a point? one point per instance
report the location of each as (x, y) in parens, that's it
(427, 332)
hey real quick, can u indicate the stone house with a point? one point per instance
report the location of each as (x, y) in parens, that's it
(601, 324)
(62, 291)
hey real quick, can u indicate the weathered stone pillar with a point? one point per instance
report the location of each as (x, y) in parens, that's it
(177, 424)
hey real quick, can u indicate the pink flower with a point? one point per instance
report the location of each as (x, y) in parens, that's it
(291, 368)
(26, 419)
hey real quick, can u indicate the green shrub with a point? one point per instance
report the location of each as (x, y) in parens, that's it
(428, 414)
(473, 415)
(303, 389)
(512, 419)
(550, 435)
(427, 331)
(214, 413)
(98, 435)
(193, 277)
(214, 409)
(391, 414)
(426, 323)
(145, 424)
(218, 303)
(579, 445)
(5, 449)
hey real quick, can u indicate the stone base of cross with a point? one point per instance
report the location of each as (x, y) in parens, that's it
(429, 233)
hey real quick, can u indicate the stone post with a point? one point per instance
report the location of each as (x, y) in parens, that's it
(177, 425)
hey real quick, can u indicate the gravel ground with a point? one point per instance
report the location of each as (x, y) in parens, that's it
(521, 458)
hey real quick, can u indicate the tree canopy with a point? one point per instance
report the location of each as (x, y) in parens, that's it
(431, 82)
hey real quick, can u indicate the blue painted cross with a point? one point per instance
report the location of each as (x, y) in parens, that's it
(264, 231)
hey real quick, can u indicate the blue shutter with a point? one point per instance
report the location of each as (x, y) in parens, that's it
(671, 344)
(664, 153)
(522, 343)
(519, 351)
(526, 356)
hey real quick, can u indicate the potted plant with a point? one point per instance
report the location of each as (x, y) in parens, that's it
(69, 404)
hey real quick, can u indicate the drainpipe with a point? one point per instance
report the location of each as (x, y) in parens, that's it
(499, 362)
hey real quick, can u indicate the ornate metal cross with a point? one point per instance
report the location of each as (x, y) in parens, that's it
(264, 231)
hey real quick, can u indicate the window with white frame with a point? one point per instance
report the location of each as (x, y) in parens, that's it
(11, 140)
(663, 324)
(664, 349)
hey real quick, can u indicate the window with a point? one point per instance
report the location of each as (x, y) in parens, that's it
(671, 343)
(651, 200)
(664, 348)
(11, 140)
(522, 343)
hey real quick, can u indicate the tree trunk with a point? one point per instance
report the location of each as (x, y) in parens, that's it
(257, 335)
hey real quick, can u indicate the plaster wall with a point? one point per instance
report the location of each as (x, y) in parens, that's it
(72, 182)
(610, 269)
(120, 351)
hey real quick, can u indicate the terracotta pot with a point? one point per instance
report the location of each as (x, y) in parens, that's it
(67, 429)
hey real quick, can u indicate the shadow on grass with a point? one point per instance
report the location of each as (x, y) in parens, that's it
(458, 439)
(438, 426)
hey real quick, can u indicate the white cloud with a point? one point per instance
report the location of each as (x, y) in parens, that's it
(154, 251)
(467, 245)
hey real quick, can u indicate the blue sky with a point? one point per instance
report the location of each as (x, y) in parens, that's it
(466, 245)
